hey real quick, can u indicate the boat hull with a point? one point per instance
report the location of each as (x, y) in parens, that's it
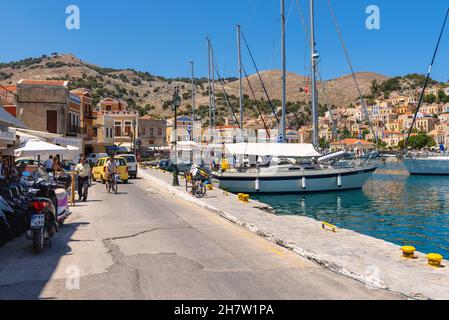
(299, 182)
(425, 166)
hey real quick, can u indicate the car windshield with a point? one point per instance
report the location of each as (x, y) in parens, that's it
(120, 162)
(130, 158)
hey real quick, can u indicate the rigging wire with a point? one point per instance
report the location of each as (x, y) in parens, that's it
(421, 98)
(220, 79)
(329, 109)
(340, 36)
(260, 78)
(255, 103)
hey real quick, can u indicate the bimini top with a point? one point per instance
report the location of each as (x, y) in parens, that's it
(299, 150)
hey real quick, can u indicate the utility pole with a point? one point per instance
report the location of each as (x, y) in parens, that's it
(284, 76)
(192, 138)
(239, 63)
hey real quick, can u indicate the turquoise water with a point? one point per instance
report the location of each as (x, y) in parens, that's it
(392, 206)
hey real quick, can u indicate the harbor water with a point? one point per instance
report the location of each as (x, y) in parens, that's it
(393, 206)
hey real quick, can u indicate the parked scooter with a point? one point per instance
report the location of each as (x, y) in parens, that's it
(43, 223)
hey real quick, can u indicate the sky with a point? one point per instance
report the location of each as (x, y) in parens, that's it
(162, 37)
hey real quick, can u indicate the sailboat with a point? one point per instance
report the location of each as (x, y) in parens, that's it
(291, 168)
(425, 163)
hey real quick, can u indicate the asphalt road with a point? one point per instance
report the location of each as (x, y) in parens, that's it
(145, 244)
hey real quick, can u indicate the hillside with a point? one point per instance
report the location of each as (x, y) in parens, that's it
(152, 94)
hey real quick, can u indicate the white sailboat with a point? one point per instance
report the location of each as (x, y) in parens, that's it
(425, 163)
(291, 168)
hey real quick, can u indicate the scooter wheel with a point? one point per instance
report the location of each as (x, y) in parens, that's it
(38, 240)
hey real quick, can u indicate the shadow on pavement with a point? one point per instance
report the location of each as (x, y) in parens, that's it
(23, 273)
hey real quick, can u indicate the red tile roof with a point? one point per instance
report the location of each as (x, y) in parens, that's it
(11, 88)
(351, 141)
(45, 82)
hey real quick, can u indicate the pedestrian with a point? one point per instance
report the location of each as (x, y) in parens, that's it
(49, 164)
(82, 170)
(56, 165)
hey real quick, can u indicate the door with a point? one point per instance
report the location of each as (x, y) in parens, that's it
(52, 121)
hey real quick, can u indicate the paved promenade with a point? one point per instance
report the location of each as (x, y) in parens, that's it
(145, 243)
(371, 261)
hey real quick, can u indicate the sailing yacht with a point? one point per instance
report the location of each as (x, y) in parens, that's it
(425, 163)
(291, 168)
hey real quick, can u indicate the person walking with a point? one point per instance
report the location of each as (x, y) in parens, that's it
(49, 164)
(82, 170)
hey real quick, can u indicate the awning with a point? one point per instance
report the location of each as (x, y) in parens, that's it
(299, 150)
(35, 147)
(7, 119)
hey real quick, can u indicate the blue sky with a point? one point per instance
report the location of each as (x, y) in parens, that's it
(161, 37)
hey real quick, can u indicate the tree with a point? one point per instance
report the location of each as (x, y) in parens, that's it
(346, 133)
(324, 144)
(422, 140)
(442, 97)
(430, 98)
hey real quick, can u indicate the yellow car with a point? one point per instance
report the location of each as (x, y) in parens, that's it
(99, 170)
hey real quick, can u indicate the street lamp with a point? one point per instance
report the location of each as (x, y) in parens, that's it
(134, 136)
(175, 105)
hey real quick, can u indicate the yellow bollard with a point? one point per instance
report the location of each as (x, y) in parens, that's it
(328, 226)
(435, 259)
(72, 193)
(408, 252)
(209, 187)
(243, 197)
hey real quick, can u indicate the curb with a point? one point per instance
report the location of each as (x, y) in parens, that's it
(326, 264)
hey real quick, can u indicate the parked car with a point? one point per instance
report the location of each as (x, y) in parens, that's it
(168, 165)
(99, 170)
(29, 162)
(93, 158)
(132, 164)
(68, 165)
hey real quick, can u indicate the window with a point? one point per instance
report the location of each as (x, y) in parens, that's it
(118, 129)
(159, 132)
(128, 130)
(151, 132)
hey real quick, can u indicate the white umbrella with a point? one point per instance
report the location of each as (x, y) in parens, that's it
(36, 148)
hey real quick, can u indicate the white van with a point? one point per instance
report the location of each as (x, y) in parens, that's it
(93, 157)
(132, 164)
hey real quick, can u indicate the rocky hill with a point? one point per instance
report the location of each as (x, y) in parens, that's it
(152, 94)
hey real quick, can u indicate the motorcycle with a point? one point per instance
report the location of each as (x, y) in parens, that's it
(42, 221)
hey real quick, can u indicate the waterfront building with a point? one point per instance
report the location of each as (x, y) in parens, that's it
(125, 121)
(152, 132)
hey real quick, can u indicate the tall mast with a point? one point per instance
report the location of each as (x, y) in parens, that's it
(192, 138)
(239, 60)
(209, 86)
(284, 76)
(214, 106)
(314, 57)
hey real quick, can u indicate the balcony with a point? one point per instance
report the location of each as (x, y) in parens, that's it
(75, 130)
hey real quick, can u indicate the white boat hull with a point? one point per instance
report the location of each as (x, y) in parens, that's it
(428, 166)
(294, 182)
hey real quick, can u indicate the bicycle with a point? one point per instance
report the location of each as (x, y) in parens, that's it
(111, 183)
(195, 184)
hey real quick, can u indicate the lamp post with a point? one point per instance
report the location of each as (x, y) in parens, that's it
(175, 105)
(134, 136)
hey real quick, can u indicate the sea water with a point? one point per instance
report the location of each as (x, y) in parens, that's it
(393, 206)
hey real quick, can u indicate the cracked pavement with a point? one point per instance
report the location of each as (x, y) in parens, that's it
(146, 244)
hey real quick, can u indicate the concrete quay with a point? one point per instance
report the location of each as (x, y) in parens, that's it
(374, 262)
